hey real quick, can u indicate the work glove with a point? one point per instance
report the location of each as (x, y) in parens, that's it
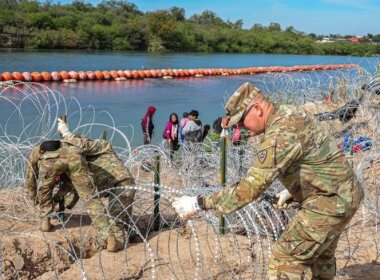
(186, 206)
(283, 197)
(63, 129)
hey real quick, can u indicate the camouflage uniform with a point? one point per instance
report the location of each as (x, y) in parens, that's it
(303, 155)
(108, 172)
(68, 161)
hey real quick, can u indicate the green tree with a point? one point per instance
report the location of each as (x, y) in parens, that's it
(178, 13)
(120, 25)
(41, 20)
(6, 19)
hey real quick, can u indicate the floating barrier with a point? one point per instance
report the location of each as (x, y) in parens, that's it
(163, 73)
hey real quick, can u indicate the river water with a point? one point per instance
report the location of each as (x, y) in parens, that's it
(127, 101)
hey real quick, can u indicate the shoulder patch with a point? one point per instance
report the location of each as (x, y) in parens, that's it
(265, 157)
(261, 156)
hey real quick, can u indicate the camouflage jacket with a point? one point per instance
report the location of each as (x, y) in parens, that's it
(106, 167)
(304, 156)
(91, 148)
(31, 173)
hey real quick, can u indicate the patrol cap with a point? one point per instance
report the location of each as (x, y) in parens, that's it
(238, 102)
(50, 145)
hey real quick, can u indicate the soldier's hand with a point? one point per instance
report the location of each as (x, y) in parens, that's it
(63, 129)
(283, 197)
(186, 206)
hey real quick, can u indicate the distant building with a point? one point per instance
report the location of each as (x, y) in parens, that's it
(355, 39)
(326, 40)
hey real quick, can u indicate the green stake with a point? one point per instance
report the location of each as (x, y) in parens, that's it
(157, 182)
(222, 179)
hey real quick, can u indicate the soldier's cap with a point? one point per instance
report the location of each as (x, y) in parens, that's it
(50, 145)
(238, 102)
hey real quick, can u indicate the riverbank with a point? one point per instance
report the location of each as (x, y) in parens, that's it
(122, 26)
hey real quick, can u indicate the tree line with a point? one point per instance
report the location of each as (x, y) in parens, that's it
(120, 25)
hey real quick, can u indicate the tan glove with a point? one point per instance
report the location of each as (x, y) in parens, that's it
(283, 197)
(186, 206)
(63, 128)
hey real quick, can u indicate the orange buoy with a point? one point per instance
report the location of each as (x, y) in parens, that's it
(165, 72)
(135, 74)
(141, 74)
(106, 75)
(147, 74)
(82, 75)
(114, 75)
(17, 76)
(159, 73)
(7, 76)
(187, 73)
(46, 77)
(27, 76)
(175, 73)
(153, 73)
(128, 74)
(36, 76)
(73, 75)
(64, 75)
(98, 75)
(181, 73)
(55, 76)
(90, 75)
(121, 74)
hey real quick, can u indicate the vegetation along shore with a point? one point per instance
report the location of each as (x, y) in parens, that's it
(120, 25)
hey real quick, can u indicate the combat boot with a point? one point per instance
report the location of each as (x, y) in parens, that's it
(46, 226)
(114, 245)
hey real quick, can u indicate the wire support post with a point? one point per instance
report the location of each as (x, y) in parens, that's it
(222, 179)
(157, 182)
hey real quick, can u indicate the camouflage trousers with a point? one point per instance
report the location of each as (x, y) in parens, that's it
(306, 250)
(119, 210)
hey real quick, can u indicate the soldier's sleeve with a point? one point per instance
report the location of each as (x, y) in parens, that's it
(276, 153)
(89, 147)
(31, 173)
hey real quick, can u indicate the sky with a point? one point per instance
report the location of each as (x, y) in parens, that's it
(354, 17)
